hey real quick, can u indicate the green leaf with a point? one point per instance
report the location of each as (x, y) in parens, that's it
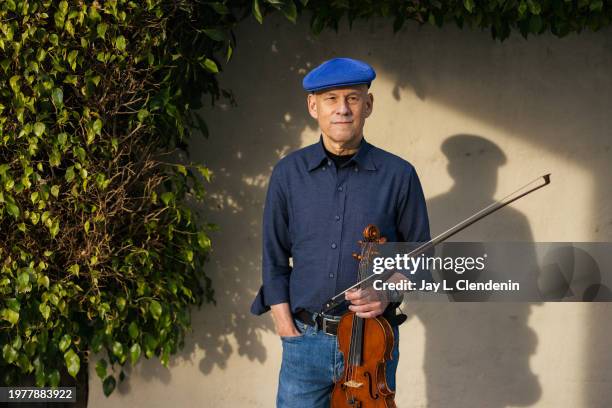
(14, 83)
(150, 345)
(10, 5)
(34, 217)
(72, 55)
(534, 7)
(55, 227)
(203, 240)
(257, 12)
(205, 172)
(108, 385)
(469, 5)
(215, 34)
(23, 279)
(165, 357)
(290, 11)
(10, 316)
(96, 342)
(39, 129)
(55, 191)
(65, 342)
(120, 43)
(101, 368)
(54, 39)
(43, 281)
(229, 51)
(101, 29)
(57, 96)
(74, 269)
(97, 126)
(9, 353)
(135, 353)
(117, 349)
(69, 176)
(40, 377)
(155, 309)
(55, 158)
(54, 378)
(167, 197)
(73, 362)
(62, 138)
(209, 65)
(45, 310)
(142, 115)
(133, 330)
(12, 210)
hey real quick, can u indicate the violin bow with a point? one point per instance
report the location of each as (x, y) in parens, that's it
(528, 188)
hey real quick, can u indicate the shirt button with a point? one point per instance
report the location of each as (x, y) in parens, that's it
(356, 169)
(323, 168)
(334, 245)
(337, 217)
(340, 188)
(329, 162)
(331, 275)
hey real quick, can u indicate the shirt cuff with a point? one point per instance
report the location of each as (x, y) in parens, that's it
(271, 293)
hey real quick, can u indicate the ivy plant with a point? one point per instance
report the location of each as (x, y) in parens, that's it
(101, 249)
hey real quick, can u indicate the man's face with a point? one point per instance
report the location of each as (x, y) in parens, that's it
(341, 112)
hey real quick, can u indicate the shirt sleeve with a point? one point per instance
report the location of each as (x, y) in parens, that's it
(276, 247)
(413, 222)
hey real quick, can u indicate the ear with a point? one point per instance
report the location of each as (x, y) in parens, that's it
(311, 102)
(369, 105)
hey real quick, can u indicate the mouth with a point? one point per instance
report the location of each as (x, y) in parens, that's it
(341, 123)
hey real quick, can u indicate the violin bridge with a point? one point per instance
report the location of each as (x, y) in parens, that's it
(353, 384)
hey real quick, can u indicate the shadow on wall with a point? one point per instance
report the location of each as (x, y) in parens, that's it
(247, 140)
(477, 354)
(474, 356)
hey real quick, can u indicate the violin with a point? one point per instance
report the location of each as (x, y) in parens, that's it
(366, 345)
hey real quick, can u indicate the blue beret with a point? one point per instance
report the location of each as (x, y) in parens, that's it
(338, 72)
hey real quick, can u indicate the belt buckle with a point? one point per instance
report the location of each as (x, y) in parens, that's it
(325, 319)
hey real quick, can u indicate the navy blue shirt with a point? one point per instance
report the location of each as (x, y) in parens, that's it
(315, 213)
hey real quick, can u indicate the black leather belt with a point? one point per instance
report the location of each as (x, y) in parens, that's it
(327, 323)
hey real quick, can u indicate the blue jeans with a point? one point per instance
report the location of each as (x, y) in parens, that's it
(311, 364)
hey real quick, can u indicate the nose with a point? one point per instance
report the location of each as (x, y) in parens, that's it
(343, 109)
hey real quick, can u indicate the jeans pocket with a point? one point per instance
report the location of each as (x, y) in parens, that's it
(301, 327)
(292, 338)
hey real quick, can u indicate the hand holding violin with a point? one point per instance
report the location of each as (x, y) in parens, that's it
(366, 303)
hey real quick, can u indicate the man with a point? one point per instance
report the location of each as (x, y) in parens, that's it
(319, 200)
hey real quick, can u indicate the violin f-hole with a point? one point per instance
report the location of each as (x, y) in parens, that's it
(373, 395)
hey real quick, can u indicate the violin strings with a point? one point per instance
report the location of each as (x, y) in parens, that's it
(353, 345)
(358, 322)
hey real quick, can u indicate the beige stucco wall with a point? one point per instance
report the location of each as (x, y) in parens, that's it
(530, 107)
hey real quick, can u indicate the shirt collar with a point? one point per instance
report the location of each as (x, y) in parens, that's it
(316, 156)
